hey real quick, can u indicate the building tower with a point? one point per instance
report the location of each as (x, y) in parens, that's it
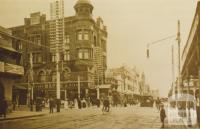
(57, 26)
(83, 8)
(57, 38)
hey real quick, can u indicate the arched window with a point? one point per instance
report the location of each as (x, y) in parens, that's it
(65, 75)
(95, 41)
(41, 76)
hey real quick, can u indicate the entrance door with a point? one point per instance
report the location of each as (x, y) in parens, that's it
(1, 91)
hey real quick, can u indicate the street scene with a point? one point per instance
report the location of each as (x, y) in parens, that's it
(98, 64)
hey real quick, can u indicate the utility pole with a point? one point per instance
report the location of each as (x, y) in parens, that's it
(98, 96)
(173, 86)
(31, 80)
(79, 87)
(57, 81)
(179, 60)
(57, 77)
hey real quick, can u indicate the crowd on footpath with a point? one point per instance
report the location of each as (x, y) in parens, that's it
(82, 103)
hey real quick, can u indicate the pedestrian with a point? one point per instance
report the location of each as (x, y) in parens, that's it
(14, 105)
(83, 103)
(162, 115)
(106, 105)
(79, 103)
(158, 102)
(3, 107)
(51, 104)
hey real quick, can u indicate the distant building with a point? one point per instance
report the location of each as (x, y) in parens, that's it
(10, 65)
(124, 80)
(144, 88)
(82, 51)
(155, 94)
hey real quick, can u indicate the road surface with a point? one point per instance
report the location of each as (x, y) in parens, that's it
(92, 118)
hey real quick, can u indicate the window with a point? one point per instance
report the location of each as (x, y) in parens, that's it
(53, 77)
(95, 41)
(86, 55)
(83, 54)
(67, 39)
(34, 57)
(20, 46)
(80, 35)
(86, 35)
(53, 58)
(42, 76)
(39, 58)
(67, 56)
(65, 75)
(80, 55)
(83, 35)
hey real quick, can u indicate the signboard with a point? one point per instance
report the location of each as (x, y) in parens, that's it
(1, 66)
(14, 69)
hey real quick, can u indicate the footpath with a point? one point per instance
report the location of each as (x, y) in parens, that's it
(25, 112)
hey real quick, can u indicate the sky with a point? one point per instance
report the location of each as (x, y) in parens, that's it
(131, 25)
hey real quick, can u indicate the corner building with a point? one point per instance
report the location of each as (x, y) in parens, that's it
(83, 53)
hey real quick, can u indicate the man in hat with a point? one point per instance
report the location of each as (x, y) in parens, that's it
(162, 115)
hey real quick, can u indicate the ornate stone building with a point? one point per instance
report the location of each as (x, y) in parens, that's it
(84, 53)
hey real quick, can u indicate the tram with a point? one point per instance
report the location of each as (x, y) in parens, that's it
(146, 101)
(182, 110)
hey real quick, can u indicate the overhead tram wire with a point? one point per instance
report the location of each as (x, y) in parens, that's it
(157, 42)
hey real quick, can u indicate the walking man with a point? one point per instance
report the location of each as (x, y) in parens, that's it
(162, 115)
(51, 104)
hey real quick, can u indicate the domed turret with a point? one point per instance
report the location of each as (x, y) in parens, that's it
(83, 7)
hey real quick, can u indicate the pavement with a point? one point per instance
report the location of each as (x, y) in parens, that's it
(24, 112)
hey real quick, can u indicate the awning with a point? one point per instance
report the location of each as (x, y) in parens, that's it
(108, 86)
(8, 48)
(19, 87)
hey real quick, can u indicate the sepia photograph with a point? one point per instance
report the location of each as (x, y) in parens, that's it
(99, 64)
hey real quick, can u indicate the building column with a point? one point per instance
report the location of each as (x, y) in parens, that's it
(199, 84)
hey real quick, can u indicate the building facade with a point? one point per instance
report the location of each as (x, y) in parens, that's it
(83, 53)
(10, 65)
(190, 70)
(124, 81)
